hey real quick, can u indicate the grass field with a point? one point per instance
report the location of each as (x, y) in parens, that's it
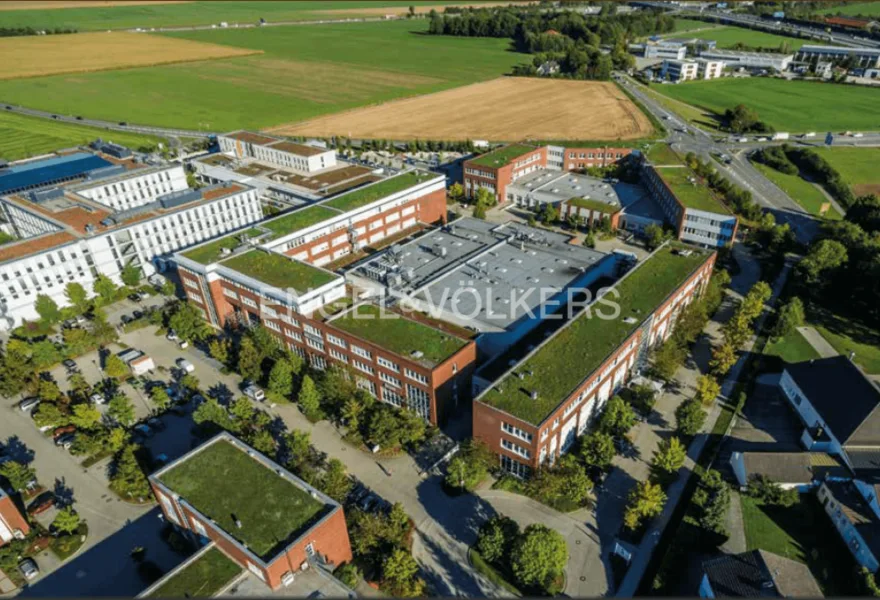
(34, 56)
(682, 25)
(793, 106)
(730, 36)
(200, 13)
(569, 110)
(868, 9)
(857, 166)
(791, 348)
(801, 191)
(304, 72)
(23, 137)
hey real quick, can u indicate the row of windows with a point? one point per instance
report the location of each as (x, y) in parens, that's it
(516, 432)
(515, 448)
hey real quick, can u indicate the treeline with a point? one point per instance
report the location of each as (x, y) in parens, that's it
(742, 119)
(793, 161)
(22, 31)
(568, 38)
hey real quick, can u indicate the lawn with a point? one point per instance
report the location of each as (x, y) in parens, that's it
(791, 348)
(692, 194)
(802, 533)
(489, 572)
(304, 72)
(380, 189)
(212, 251)
(662, 154)
(398, 334)
(298, 219)
(793, 106)
(801, 191)
(867, 350)
(682, 25)
(502, 156)
(728, 37)
(23, 137)
(195, 13)
(279, 271)
(578, 349)
(868, 9)
(857, 166)
(222, 480)
(202, 578)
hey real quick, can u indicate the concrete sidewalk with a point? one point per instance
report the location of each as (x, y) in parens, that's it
(819, 343)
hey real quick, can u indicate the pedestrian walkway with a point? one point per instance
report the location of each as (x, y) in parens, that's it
(819, 343)
(736, 543)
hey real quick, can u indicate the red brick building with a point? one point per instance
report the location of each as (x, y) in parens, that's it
(259, 514)
(12, 523)
(582, 158)
(538, 407)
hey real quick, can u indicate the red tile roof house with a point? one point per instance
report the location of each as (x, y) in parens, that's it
(12, 523)
(257, 513)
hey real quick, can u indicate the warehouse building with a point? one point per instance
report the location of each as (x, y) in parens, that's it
(666, 49)
(736, 59)
(865, 57)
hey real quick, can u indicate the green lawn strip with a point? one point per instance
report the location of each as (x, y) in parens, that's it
(866, 9)
(595, 205)
(304, 72)
(804, 533)
(489, 572)
(398, 334)
(808, 196)
(376, 191)
(857, 166)
(65, 546)
(278, 270)
(867, 354)
(692, 114)
(578, 349)
(662, 154)
(729, 36)
(791, 348)
(221, 481)
(298, 219)
(23, 136)
(502, 156)
(690, 191)
(791, 106)
(202, 578)
(682, 25)
(212, 251)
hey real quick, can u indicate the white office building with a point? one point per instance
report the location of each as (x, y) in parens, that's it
(749, 60)
(304, 158)
(666, 50)
(865, 57)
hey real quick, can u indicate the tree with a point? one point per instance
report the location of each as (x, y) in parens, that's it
(281, 379)
(723, 359)
(219, 349)
(654, 236)
(351, 414)
(485, 197)
(597, 450)
(47, 309)
(66, 520)
(349, 575)
(336, 387)
(188, 324)
(121, 410)
(190, 382)
(212, 413)
(77, 296)
(790, 316)
(496, 538)
(479, 211)
(114, 367)
(19, 475)
(160, 397)
(590, 240)
(399, 570)
(85, 416)
(117, 439)
(711, 500)
(48, 391)
(168, 288)
(267, 345)
(262, 441)
(617, 418)
(689, 417)
(646, 501)
(105, 289)
(668, 358)
(538, 556)
(668, 458)
(130, 275)
(456, 192)
(824, 256)
(707, 389)
(299, 447)
(127, 477)
(335, 482)
(49, 415)
(249, 361)
(309, 400)
(384, 428)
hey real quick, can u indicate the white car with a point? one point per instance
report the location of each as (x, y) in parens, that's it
(254, 392)
(172, 336)
(185, 365)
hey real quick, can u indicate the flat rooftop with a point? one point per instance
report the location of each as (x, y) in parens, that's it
(200, 577)
(35, 173)
(744, 54)
(221, 480)
(560, 364)
(298, 149)
(211, 252)
(690, 191)
(502, 156)
(401, 335)
(376, 191)
(298, 219)
(548, 186)
(252, 138)
(279, 271)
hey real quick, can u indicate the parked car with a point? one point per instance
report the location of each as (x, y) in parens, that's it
(254, 392)
(98, 398)
(185, 365)
(59, 431)
(135, 297)
(156, 424)
(69, 364)
(29, 404)
(66, 440)
(171, 335)
(179, 409)
(144, 430)
(138, 314)
(183, 344)
(126, 319)
(44, 502)
(29, 568)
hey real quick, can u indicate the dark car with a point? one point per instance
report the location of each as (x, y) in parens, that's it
(54, 116)
(138, 314)
(44, 502)
(79, 118)
(134, 297)
(66, 440)
(156, 424)
(69, 364)
(126, 319)
(123, 123)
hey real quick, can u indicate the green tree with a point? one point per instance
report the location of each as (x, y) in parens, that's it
(281, 379)
(496, 539)
(538, 556)
(242, 410)
(190, 382)
(44, 354)
(723, 358)
(597, 450)
(121, 410)
(188, 324)
(15, 370)
(249, 361)
(66, 520)
(130, 275)
(114, 367)
(308, 399)
(352, 411)
(399, 571)
(668, 458)
(85, 416)
(77, 296)
(485, 197)
(105, 289)
(824, 257)
(49, 415)
(708, 389)
(47, 309)
(127, 477)
(456, 192)
(49, 391)
(117, 439)
(617, 418)
(266, 344)
(655, 235)
(262, 441)
(212, 413)
(479, 211)
(689, 417)
(219, 349)
(19, 475)
(470, 466)
(384, 428)
(168, 288)
(790, 316)
(349, 575)
(335, 482)
(299, 447)
(646, 501)
(160, 397)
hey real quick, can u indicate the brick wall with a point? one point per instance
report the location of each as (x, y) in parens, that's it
(10, 515)
(592, 157)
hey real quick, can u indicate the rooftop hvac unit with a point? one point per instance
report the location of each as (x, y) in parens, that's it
(394, 280)
(534, 395)
(409, 274)
(225, 251)
(417, 354)
(630, 320)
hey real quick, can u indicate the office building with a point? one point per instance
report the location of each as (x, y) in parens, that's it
(736, 59)
(306, 158)
(864, 57)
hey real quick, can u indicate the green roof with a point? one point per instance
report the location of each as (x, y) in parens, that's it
(375, 191)
(502, 156)
(696, 194)
(202, 578)
(211, 252)
(399, 334)
(278, 270)
(591, 204)
(566, 359)
(298, 219)
(221, 480)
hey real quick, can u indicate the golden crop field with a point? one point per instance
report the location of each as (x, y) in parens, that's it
(35, 56)
(508, 108)
(55, 4)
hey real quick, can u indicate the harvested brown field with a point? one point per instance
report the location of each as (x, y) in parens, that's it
(52, 4)
(866, 189)
(36, 56)
(504, 109)
(381, 11)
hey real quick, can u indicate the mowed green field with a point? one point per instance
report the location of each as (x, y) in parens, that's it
(690, 25)
(305, 71)
(868, 9)
(801, 191)
(793, 106)
(23, 137)
(194, 13)
(859, 167)
(727, 37)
